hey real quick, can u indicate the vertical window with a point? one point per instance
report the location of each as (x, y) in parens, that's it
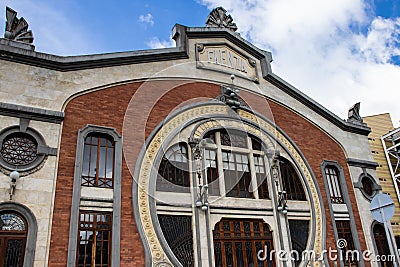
(382, 244)
(261, 176)
(291, 181)
(94, 239)
(13, 235)
(174, 170)
(210, 157)
(344, 232)
(98, 161)
(335, 190)
(237, 174)
(237, 242)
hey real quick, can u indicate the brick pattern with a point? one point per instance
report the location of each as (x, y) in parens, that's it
(107, 108)
(158, 99)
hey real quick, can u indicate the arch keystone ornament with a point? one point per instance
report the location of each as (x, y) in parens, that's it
(206, 117)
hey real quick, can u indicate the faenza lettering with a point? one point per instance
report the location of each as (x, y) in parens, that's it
(225, 58)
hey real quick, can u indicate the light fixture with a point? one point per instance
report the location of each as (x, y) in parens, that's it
(14, 176)
(202, 199)
(282, 204)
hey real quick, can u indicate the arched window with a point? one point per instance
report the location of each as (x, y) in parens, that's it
(238, 241)
(335, 190)
(291, 181)
(98, 161)
(13, 236)
(382, 245)
(174, 170)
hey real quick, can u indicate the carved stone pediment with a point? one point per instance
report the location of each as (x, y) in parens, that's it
(218, 18)
(17, 29)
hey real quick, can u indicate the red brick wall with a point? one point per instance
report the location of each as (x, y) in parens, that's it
(107, 107)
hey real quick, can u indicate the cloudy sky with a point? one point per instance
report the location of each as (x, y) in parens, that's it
(338, 52)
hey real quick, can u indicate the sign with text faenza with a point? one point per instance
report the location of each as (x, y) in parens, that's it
(223, 58)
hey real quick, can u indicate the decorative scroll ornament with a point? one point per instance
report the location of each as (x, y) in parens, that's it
(230, 97)
(354, 114)
(219, 19)
(17, 29)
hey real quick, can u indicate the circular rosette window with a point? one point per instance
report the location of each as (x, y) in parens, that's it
(21, 151)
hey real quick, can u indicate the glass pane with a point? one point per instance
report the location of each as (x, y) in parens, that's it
(228, 254)
(11, 222)
(86, 158)
(239, 254)
(14, 253)
(110, 163)
(93, 161)
(102, 162)
(299, 236)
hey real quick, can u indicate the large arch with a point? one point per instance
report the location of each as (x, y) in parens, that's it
(200, 115)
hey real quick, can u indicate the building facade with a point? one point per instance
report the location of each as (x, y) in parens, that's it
(197, 155)
(383, 140)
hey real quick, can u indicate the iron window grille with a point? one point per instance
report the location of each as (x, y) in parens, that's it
(237, 242)
(335, 189)
(291, 181)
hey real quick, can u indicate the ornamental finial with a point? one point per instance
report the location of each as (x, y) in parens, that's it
(218, 18)
(17, 29)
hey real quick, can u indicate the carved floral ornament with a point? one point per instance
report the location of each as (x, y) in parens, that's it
(157, 253)
(218, 18)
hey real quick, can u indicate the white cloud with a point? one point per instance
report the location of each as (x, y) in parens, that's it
(148, 18)
(157, 43)
(317, 47)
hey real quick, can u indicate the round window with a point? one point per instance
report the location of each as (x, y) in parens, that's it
(19, 149)
(367, 186)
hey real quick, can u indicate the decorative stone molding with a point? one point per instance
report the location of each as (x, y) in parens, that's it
(17, 29)
(218, 18)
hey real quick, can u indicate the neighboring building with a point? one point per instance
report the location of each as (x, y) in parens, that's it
(197, 155)
(382, 129)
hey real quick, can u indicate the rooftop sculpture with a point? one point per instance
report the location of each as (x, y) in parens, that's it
(218, 18)
(17, 29)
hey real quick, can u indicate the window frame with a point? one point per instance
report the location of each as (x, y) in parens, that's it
(166, 184)
(334, 185)
(98, 152)
(76, 193)
(30, 219)
(95, 229)
(286, 185)
(249, 151)
(41, 154)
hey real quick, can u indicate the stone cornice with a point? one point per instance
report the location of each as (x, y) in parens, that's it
(31, 113)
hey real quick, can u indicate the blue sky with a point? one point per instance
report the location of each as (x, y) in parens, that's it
(338, 52)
